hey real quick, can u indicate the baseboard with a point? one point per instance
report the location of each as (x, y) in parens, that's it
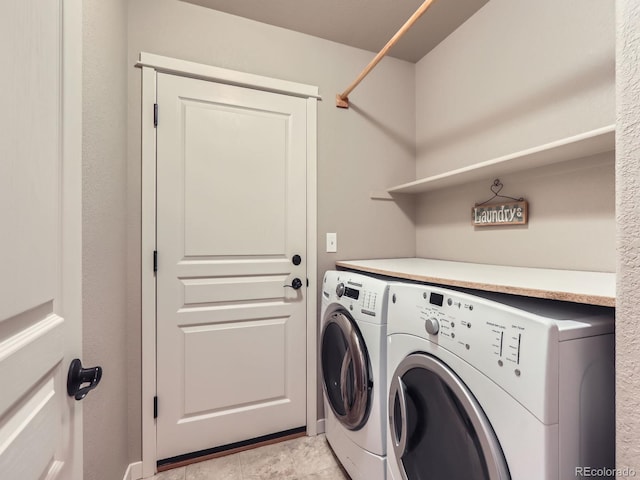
(320, 426)
(133, 472)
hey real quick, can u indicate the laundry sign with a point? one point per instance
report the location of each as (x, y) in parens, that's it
(511, 213)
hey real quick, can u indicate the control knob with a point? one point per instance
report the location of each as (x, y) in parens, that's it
(432, 326)
(340, 290)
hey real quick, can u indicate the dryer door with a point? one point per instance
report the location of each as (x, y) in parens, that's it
(345, 370)
(438, 429)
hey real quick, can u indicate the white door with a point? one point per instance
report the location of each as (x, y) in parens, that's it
(231, 215)
(40, 331)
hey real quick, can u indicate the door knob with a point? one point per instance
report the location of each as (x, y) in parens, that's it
(78, 376)
(296, 284)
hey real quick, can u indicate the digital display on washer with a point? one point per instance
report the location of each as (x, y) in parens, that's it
(351, 293)
(436, 299)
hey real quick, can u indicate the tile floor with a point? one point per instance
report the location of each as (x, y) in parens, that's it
(298, 459)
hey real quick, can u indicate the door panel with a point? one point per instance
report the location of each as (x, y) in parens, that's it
(31, 351)
(256, 376)
(261, 159)
(216, 290)
(231, 213)
(34, 427)
(40, 430)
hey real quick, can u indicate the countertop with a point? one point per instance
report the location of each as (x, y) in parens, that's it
(594, 288)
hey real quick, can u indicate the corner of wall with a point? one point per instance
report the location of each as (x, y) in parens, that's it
(628, 232)
(104, 97)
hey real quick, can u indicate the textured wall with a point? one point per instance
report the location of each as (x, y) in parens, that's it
(366, 148)
(628, 240)
(106, 454)
(516, 75)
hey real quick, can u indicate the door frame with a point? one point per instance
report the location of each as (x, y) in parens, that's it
(151, 64)
(71, 197)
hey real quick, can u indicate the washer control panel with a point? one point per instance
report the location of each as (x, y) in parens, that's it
(363, 296)
(512, 347)
(459, 321)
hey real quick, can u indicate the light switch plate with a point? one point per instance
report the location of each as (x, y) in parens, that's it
(332, 242)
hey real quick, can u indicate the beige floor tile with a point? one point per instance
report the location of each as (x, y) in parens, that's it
(332, 473)
(270, 462)
(223, 468)
(174, 474)
(304, 458)
(310, 455)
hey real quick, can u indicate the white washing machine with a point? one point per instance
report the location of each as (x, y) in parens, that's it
(353, 359)
(498, 387)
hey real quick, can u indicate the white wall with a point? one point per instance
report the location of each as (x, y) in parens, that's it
(516, 75)
(360, 150)
(627, 198)
(106, 452)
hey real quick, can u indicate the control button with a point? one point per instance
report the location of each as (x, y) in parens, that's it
(500, 362)
(424, 295)
(340, 290)
(517, 372)
(453, 335)
(449, 302)
(468, 325)
(467, 346)
(432, 326)
(470, 307)
(393, 298)
(351, 307)
(453, 324)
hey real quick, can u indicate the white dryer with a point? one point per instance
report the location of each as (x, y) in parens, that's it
(353, 359)
(498, 387)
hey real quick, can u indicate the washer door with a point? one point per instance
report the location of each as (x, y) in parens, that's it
(438, 429)
(345, 370)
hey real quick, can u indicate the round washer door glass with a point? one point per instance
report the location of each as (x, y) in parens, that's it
(438, 429)
(345, 370)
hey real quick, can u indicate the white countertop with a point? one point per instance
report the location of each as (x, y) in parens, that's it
(595, 288)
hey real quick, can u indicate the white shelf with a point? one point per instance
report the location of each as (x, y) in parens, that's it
(588, 143)
(594, 288)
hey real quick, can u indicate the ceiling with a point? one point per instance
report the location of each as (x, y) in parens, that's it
(367, 24)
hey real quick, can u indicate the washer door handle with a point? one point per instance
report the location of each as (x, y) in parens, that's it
(399, 391)
(347, 360)
(356, 407)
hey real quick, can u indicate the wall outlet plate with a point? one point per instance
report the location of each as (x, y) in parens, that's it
(332, 242)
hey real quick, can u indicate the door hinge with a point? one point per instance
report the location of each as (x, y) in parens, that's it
(155, 261)
(155, 407)
(155, 114)
(307, 283)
